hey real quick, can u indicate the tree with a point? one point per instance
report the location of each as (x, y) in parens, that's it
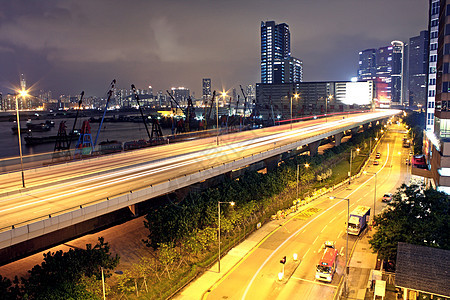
(61, 274)
(417, 216)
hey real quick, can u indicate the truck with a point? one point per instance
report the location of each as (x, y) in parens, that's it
(327, 265)
(358, 219)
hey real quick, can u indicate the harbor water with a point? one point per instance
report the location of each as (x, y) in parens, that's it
(119, 131)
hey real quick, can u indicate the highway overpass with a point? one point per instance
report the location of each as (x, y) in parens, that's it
(59, 199)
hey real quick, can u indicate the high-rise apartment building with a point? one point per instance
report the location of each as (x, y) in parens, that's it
(181, 95)
(417, 70)
(397, 73)
(437, 143)
(433, 28)
(206, 88)
(277, 64)
(385, 67)
(367, 64)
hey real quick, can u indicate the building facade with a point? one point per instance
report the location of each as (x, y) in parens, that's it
(417, 70)
(437, 143)
(384, 66)
(433, 29)
(277, 64)
(206, 89)
(279, 101)
(367, 65)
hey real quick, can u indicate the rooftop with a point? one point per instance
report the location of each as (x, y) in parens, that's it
(423, 269)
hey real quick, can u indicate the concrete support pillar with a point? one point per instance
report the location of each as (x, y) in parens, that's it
(338, 138)
(313, 148)
(366, 126)
(272, 162)
(354, 130)
(132, 208)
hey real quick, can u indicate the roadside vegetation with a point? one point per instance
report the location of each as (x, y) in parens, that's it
(182, 239)
(416, 216)
(75, 274)
(415, 122)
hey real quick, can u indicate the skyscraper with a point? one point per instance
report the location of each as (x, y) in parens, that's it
(437, 143)
(433, 27)
(277, 64)
(397, 73)
(385, 67)
(206, 88)
(367, 64)
(417, 69)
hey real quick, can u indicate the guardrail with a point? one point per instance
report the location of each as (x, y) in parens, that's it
(57, 220)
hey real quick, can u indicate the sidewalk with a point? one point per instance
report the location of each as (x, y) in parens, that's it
(362, 261)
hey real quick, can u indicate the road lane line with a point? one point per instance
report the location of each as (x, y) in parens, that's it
(304, 226)
(305, 254)
(324, 228)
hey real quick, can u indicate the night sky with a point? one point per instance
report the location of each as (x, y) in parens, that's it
(68, 46)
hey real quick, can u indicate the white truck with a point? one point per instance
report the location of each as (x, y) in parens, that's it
(358, 219)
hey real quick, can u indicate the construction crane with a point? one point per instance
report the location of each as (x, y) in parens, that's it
(76, 118)
(188, 112)
(113, 83)
(140, 110)
(208, 114)
(245, 99)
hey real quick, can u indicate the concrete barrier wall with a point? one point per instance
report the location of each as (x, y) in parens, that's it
(57, 222)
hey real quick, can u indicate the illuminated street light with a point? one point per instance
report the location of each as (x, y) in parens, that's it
(306, 165)
(218, 205)
(296, 97)
(23, 94)
(346, 248)
(351, 158)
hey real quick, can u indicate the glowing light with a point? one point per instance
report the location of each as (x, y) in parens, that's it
(354, 79)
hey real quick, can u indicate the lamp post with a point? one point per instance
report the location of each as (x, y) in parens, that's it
(218, 215)
(23, 93)
(224, 94)
(306, 166)
(103, 285)
(329, 98)
(296, 97)
(351, 158)
(375, 190)
(346, 248)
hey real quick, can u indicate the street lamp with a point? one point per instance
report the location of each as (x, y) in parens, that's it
(218, 206)
(296, 97)
(224, 94)
(375, 191)
(346, 249)
(306, 165)
(351, 158)
(23, 93)
(329, 98)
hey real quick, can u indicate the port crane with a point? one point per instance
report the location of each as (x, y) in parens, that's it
(110, 92)
(208, 112)
(189, 113)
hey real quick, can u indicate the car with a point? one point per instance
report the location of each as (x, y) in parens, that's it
(329, 244)
(387, 197)
(378, 155)
(376, 162)
(411, 153)
(408, 162)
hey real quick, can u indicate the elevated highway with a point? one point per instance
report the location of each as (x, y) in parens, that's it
(62, 196)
